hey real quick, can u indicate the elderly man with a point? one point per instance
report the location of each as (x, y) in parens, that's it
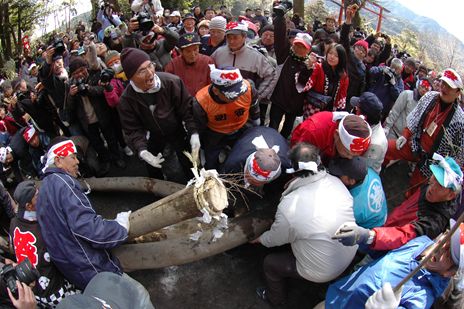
(435, 125)
(427, 212)
(160, 104)
(252, 64)
(260, 154)
(191, 63)
(77, 239)
(224, 108)
(335, 134)
(311, 208)
(370, 286)
(216, 38)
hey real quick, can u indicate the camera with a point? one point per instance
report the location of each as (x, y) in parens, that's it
(282, 7)
(23, 272)
(145, 22)
(106, 75)
(80, 84)
(58, 44)
(20, 95)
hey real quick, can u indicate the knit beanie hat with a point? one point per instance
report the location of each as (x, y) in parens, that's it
(218, 23)
(76, 63)
(111, 56)
(132, 59)
(363, 44)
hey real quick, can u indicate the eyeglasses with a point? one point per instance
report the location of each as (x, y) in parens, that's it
(143, 71)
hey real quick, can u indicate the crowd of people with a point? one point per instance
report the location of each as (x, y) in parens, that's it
(323, 107)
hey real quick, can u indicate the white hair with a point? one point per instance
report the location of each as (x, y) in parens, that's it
(396, 63)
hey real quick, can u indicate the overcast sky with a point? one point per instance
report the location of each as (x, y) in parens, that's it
(448, 13)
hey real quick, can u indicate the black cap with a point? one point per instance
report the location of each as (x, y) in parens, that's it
(355, 168)
(23, 194)
(188, 39)
(369, 103)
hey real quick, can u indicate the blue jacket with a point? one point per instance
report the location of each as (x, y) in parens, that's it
(419, 292)
(76, 237)
(369, 202)
(381, 87)
(244, 147)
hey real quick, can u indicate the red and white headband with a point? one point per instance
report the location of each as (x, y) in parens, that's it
(355, 144)
(62, 149)
(253, 169)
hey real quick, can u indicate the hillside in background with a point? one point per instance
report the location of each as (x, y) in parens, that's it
(425, 38)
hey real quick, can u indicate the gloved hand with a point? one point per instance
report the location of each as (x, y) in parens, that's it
(146, 156)
(256, 122)
(350, 234)
(123, 219)
(384, 298)
(400, 142)
(195, 144)
(393, 81)
(386, 130)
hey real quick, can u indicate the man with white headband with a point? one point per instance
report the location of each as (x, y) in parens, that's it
(78, 240)
(261, 154)
(426, 212)
(436, 124)
(310, 211)
(370, 286)
(335, 134)
(223, 110)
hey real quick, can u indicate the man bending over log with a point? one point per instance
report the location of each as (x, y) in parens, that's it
(76, 237)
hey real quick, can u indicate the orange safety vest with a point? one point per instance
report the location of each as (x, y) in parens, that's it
(227, 117)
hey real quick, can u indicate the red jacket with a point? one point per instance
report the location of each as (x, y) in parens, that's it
(413, 218)
(317, 82)
(317, 130)
(195, 76)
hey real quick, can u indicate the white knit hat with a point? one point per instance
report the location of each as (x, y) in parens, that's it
(218, 23)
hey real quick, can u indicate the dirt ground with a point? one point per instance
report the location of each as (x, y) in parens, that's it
(227, 280)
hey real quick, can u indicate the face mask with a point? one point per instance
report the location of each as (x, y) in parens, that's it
(117, 68)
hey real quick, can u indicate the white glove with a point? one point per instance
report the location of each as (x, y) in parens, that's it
(123, 219)
(393, 81)
(195, 142)
(256, 122)
(400, 142)
(384, 298)
(386, 130)
(146, 156)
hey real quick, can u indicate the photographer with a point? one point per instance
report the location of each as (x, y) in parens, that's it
(87, 107)
(107, 17)
(143, 33)
(383, 51)
(25, 298)
(51, 286)
(386, 84)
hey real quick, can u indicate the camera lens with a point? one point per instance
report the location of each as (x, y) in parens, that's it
(26, 272)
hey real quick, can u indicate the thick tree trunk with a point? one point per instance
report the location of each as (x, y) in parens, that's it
(298, 7)
(180, 251)
(160, 188)
(178, 207)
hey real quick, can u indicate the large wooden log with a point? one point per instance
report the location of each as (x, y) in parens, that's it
(177, 207)
(159, 188)
(181, 250)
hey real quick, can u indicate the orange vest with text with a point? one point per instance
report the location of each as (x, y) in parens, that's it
(227, 117)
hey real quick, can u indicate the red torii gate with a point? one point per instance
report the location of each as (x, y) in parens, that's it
(379, 13)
